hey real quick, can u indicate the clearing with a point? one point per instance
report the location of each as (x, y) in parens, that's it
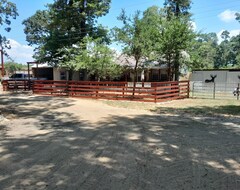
(64, 143)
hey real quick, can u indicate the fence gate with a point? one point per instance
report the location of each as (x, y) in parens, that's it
(215, 90)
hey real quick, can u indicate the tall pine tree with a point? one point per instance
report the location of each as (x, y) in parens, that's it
(63, 24)
(177, 13)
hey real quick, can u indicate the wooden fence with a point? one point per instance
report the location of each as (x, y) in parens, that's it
(145, 92)
(11, 85)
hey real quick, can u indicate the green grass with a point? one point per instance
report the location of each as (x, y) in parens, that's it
(206, 107)
(227, 110)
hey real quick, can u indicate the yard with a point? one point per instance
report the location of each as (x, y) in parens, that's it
(66, 143)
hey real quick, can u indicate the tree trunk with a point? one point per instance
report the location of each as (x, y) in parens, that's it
(135, 77)
(176, 67)
(177, 11)
(83, 20)
(169, 68)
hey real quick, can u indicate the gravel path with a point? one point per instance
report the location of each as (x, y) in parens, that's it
(63, 143)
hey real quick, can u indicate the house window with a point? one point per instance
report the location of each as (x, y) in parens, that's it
(81, 74)
(63, 75)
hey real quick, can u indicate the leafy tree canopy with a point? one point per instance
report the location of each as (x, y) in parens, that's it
(238, 17)
(94, 56)
(203, 51)
(181, 34)
(12, 67)
(8, 11)
(177, 7)
(136, 35)
(64, 23)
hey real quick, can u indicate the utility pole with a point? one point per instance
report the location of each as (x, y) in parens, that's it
(2, 63)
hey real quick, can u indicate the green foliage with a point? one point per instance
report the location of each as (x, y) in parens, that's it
(12, 67)
(228, 51)
(64, 23)
(238, 17)
(155, 36)
(129, 36)
(152, 25)
(134, 36)
(177, 35)
(235, 51)
(175, 39)
(206, 53)
(225, 35)
(177, 7)
(203, 51)
(95, 57)
(36, 28)
(8, 10)
(171, 39)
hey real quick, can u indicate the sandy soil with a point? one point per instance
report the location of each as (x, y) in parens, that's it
(63, 143)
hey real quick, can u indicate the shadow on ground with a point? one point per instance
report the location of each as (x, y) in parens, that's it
(145, 151)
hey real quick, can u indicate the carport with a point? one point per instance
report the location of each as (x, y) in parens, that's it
(42, 71)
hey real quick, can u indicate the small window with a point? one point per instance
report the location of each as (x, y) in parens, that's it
(81, 74)
(63, 75)
(155, 75)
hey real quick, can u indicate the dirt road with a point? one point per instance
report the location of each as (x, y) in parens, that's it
(63, 143)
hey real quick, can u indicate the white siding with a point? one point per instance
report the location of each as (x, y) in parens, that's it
(57, 73)
(233, 77)
(222, 76)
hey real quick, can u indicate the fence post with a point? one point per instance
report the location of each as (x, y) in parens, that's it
(238, 91)
(29, 84)
(33, 82)
(25, 85)
(214, 90)
(123, 90)
(15, 85)
(155, 97)
(193, 90)
(188, 88)
(97, 88)
(67, 89)
(4, 86)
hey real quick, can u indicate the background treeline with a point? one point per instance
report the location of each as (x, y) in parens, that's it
(11, 67)
(208, 53)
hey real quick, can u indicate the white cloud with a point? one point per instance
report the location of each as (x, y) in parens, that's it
(227, 15)
(231, 34)
(20, 53)
(193, 25)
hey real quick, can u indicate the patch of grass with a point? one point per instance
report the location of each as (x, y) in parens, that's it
(130, 104)
(228, 110)
(206, 107)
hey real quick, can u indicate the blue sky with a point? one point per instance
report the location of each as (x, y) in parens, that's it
(208, 16)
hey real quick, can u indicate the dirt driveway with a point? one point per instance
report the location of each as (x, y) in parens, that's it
(63, 143)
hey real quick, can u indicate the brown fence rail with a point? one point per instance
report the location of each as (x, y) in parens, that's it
(145, 92)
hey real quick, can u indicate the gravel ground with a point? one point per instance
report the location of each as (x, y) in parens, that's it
(64, 143)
